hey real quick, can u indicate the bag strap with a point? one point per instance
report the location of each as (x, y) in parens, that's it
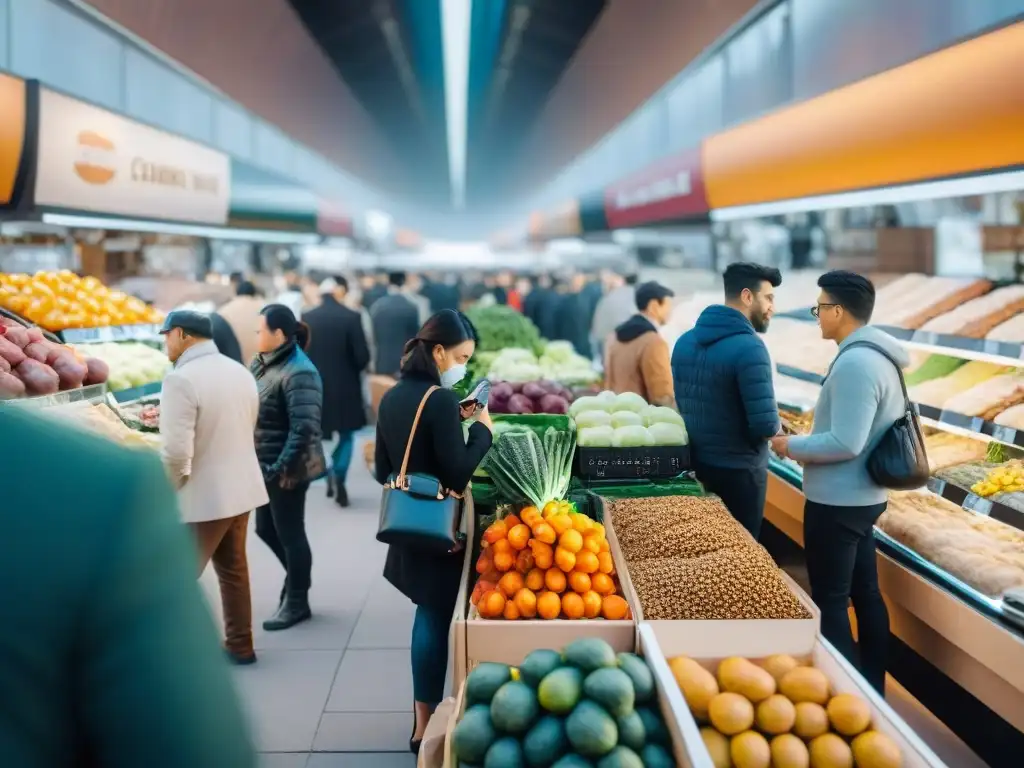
(400, 481)
(883, 353)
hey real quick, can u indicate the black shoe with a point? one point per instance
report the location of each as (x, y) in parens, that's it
(414, 746)
(294, 610)
(331, 482)
(239, 660)
(341, 495)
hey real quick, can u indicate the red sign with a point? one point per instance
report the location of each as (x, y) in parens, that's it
(672, 189)
(333, 220)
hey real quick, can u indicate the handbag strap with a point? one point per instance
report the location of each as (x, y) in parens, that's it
(400, 480)
(883, 353)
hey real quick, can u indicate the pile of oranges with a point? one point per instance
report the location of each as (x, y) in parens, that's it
(60, 300)
(550, 565)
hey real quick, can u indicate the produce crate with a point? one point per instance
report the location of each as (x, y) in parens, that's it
(716, 641)
(644, 462)
(670, 703)
(538, 422)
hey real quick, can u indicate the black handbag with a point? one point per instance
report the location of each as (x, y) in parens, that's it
(899, 460)
(415, 510)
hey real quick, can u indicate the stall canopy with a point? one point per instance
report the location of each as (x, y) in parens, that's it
(264, 200)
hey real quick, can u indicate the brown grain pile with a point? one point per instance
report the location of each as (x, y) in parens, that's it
(688, 558)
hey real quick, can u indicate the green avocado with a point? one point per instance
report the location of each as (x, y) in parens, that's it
(514, 707)
(485, 680)
(655, 728)
(505, 753)
(655, 756)
(560, 690)
(640, 674)
(631, 731)
(545, 742)
(591, 731)
(474, 735)
(589, 653)
(538, 665)
(620, 757)
(573, 761)
(612, 689)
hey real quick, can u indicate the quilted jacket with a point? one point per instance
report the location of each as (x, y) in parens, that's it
(288, 430)
(723, 382)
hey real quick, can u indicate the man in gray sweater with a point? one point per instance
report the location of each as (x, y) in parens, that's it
(860, 399)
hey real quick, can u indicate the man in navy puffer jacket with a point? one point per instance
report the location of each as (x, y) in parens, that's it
(723, 384)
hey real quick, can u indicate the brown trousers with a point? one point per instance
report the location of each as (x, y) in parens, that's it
(223, 542)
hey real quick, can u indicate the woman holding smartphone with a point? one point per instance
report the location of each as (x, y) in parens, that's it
(436, 357)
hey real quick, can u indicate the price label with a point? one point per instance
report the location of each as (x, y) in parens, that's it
(977, 504)
(977, 424)
(1004, 434)
(991, 347)
(926, 337)
(936, 485)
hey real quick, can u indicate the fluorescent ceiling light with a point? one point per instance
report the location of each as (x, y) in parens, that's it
(188, 230)
(455, 24)
(1008, 181)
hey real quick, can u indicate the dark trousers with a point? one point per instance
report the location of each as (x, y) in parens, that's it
(429, 654)
(282, 526)
(341, 457)
(741, 490)
(840, 548)
(223, 542)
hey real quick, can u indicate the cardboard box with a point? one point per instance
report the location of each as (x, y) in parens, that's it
(718, 640)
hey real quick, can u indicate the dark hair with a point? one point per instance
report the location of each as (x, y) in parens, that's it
(649, 292)
(853, 292)
(447, 328)
(342, 282)
(750, 276)
(236, 278)
(281, 318)
(632, 278)
(396, 279)
(245, 288)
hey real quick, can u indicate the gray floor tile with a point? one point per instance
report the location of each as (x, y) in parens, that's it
(283, 760)
(363, 732)
(285, 693)
(361, 760)
(387, 627)
(372, 681)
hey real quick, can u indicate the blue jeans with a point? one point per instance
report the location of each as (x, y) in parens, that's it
(341, 458)
(429, 654)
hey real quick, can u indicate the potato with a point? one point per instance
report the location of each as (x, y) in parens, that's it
(36, 351)
(11, 352)
(10, 386)
(39, 378)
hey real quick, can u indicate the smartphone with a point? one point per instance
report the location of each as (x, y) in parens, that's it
(479, 395)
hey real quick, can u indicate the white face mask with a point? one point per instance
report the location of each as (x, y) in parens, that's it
(453, 375)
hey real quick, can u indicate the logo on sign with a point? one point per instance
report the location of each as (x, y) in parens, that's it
(655, 192)
(97, 159)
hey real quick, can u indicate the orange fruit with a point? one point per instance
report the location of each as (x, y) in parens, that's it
(511, 611)
(572, 606)
(549, 605)
(581, 523)
(519, 536)
(511, 521)
(543, 554)
(491, 604)
(501, 545)
(481, 588)
(614, 607)
(510, 583)
(591, 605)
(535, 579)
(526, 602)
(565, 559)
(591, 542)
(605, 546)
(492, 576)
(496, 530)
(551, 509)
(561, 523)
(586, 562)
(544, 532)
(484, 563)
(529, 515)
(603, 584)
(579, 582)
(599, 527)
(571, 540)
(604, 562)
(554, 580)
(524, 561)
(504, 561)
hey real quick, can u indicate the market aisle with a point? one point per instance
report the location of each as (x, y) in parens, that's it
(339, 684)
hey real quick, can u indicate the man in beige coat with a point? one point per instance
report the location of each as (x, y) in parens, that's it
(208, 416)
(242, 313)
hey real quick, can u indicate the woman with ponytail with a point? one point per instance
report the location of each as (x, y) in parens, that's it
(288, 444)
(435, 357)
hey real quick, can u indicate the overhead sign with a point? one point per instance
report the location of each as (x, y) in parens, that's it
(93, 160)
(12, 133)
(667, 191)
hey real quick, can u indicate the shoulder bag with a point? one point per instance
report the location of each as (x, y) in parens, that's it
(899, 460)
(415, 510)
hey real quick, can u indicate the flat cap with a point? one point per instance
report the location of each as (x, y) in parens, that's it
(192, 323)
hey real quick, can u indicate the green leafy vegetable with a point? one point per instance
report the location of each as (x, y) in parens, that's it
(525, 466)
(501, 327)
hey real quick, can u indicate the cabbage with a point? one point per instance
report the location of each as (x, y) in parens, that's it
(659, 414)
(586, 403)
(631, 437)
(526, 466)
(629, 401)
(596, 437)
(594, 419)
(668, 434)
(626, 419)
(607, 399)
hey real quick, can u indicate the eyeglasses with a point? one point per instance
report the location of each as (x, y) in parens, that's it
(816, 310)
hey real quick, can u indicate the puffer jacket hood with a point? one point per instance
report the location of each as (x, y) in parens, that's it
(634, 328)
(719, 322)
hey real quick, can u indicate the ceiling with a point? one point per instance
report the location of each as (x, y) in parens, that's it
(390, 55)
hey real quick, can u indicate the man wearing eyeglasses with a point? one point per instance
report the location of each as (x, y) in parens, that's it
(861, 398)
(723, 387)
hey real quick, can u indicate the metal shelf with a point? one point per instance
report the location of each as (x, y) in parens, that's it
(93, 394)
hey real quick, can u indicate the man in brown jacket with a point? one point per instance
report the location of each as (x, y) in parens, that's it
(636, 356)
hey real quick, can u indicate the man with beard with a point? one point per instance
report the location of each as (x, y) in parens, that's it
(723, 383)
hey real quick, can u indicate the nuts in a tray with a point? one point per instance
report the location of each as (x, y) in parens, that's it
(680, 526)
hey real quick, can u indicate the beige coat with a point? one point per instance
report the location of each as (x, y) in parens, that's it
(242, 313)
(208, 412)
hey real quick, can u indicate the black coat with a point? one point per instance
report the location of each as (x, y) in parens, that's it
(288, 426)
(338, 349)
(541, 307)
(225, 339)
(373, 295)
(438, 449)
(395, 320)
(572, 322)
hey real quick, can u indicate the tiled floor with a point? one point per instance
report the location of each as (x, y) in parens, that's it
(335, 692)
